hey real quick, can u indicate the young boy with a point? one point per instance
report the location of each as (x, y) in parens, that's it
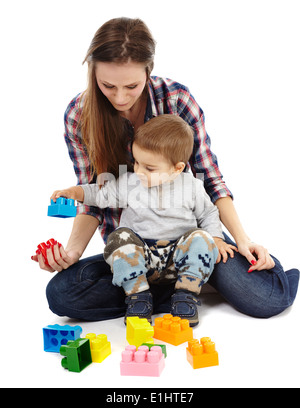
(168, 223)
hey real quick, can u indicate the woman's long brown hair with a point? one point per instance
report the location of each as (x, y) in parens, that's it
(118, 40)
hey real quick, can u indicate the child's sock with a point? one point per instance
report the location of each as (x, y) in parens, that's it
(189, 283)
(135, 285)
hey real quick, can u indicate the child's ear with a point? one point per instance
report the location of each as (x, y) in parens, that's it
(179, 167)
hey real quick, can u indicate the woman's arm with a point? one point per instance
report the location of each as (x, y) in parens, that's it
(230, 219)
(246, 247)
(84, 227)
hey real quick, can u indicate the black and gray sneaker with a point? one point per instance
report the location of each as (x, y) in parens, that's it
(139, 304)
(184, 304)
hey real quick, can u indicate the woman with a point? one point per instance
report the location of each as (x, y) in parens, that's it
(100, 124)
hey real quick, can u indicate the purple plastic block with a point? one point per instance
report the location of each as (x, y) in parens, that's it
(142, 362)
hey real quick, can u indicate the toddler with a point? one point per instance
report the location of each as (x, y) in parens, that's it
(168, 224)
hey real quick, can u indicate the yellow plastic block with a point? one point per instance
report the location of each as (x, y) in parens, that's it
(202, 354)
(100, 347)
(173, 330)
(139, 331)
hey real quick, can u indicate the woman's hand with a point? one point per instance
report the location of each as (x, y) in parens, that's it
(224, 250)
(57, 258)
(76, 193)
(257, 256)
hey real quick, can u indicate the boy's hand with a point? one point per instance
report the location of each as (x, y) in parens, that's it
(224, 250)
(76, 193)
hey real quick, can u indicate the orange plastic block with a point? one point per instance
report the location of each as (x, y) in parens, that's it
(100, 347)
(173, 330)
(139, 331)
(202, 354)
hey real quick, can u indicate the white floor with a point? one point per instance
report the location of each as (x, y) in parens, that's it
(252, 352)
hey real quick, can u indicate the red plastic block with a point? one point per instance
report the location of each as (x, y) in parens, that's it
(142, 362)
(173, 330)
(202, 354)
(46, 245)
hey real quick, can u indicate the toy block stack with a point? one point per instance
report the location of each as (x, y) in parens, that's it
(78, 352)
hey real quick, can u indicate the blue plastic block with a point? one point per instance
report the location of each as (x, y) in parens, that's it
(56, 336)
(63, 208)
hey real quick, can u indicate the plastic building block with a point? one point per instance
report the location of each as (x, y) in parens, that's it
(173, 330)
(56, 336)
(139, 331)
(142, 362)
(100, 347)
(42, 247)
(202, 354)
(77, 355)
(62, 208)
(162, 346)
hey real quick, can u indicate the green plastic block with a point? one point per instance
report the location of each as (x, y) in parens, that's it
(77, 355)
(163, 347)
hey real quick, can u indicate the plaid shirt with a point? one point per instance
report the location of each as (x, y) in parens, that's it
(165, 96)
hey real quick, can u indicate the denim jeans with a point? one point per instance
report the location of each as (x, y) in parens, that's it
(85, 291)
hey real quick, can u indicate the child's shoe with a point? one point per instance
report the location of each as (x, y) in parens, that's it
(139, 304)
(184, 304)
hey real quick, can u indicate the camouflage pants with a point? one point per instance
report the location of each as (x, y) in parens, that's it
(136, 262)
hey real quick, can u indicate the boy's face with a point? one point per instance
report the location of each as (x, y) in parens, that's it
(152, 168)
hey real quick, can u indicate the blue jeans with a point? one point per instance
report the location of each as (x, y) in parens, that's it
(85, 291)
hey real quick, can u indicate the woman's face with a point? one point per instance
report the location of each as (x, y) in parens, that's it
(122, 84)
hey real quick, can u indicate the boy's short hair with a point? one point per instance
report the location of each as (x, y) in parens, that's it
(168, 135)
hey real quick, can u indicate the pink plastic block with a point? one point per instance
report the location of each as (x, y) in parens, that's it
(142, 362)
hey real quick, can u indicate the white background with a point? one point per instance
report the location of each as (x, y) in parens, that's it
(240, 60)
